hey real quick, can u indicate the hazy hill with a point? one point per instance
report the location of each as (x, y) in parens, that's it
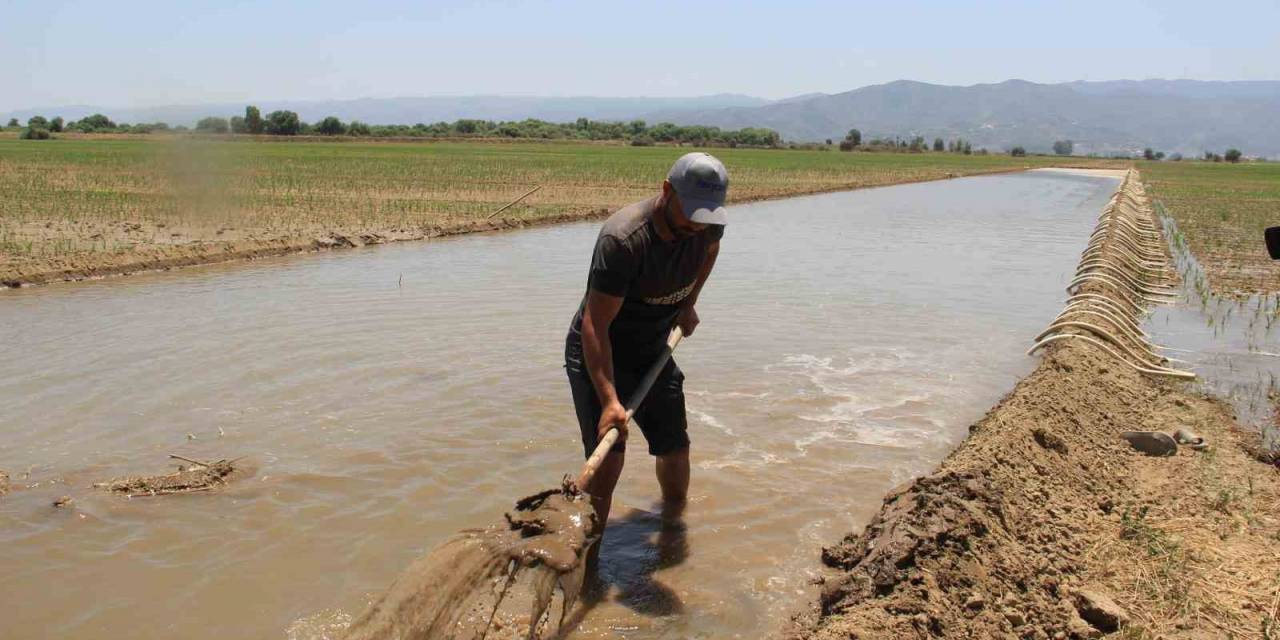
(1120, 116)
(413, 110)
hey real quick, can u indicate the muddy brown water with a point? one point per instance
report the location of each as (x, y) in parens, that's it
(388, 397)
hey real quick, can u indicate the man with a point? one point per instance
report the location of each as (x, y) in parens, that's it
(650, 262)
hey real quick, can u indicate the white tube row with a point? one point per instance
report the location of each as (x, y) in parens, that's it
(1122, 272)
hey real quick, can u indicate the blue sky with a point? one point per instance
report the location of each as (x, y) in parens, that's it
(157, 53)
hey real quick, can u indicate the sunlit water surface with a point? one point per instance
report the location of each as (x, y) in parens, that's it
(390, 396)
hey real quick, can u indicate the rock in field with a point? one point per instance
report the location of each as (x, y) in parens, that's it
(1099, 610)
(1152, 443)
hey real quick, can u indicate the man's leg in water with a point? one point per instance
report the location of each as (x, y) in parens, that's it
(673, 477)
(602, 484)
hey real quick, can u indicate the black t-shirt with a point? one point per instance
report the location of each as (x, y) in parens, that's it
(651, 275)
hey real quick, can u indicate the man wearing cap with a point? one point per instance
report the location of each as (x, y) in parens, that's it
(650, 262)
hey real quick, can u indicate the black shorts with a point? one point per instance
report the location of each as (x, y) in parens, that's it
(661, 416)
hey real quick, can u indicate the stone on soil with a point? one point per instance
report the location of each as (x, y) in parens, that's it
(1152, 443)
(1099, 610)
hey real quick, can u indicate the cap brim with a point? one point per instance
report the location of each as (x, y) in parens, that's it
(707, 212)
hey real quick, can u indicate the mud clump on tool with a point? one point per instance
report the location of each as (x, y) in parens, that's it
(493, 582)
(201, 476)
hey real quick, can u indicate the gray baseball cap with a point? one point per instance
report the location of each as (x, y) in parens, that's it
(701, 183)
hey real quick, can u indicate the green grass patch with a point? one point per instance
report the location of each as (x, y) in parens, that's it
(1222, 210)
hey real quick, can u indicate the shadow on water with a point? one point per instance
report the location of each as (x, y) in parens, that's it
(635, 548)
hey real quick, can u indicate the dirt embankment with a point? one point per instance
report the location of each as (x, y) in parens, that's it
(1045, 523)
(227, 246)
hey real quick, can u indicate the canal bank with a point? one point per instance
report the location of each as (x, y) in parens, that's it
(1045, 523)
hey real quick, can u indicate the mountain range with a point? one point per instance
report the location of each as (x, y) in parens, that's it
(1121, 116)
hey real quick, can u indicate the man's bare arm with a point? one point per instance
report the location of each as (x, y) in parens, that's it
(597, 350)
(688, 318)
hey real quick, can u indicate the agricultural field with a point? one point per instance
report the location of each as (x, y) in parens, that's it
(96, 205)
(1222, 210)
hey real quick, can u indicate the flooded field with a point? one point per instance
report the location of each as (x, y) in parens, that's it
(387, 397)
(1233, 343)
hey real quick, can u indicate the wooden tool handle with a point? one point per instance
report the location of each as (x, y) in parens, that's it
(611, 437)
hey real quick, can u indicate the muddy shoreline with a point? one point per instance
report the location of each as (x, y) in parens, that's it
(1045, 523)
(153, 258)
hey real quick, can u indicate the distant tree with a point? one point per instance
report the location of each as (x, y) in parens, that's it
(95, 122)
(357, 128)
(1148, 154)
(13, 122)
(330, 126)
(282, 123)
(1175, 157)
(1232, 155)
(854, 138)
(1018, 152)
(967, 149)
(829, 142)
(846, 145)
(917, 144)
(938, 144)
(253, 120)
(35, 133)
(1159, 155)
(37, 122)
(56, 124)
(237, 124)
(636, 127)
(1063, 147)
(213, 124)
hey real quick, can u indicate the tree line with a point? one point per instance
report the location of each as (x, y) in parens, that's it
(287, 123)
(917, 144)
(637, 132)
(40, 127)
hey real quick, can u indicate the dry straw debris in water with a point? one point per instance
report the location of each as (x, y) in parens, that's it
(201, 476)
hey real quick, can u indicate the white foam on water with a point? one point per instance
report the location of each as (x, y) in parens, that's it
(728, 394)
(710, 421)
(856, 395)
(327, 624)
(743, 456)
